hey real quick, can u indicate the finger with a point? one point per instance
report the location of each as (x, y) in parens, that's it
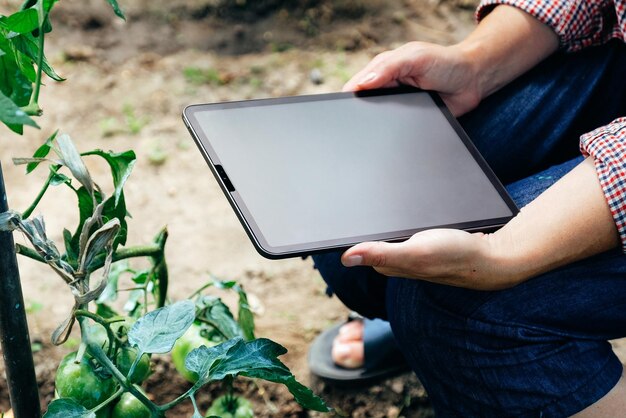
(384, 70)
(397, 67)
(376, 254)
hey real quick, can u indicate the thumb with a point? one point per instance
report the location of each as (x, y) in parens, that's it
(375, 254)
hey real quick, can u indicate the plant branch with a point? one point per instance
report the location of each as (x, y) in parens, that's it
(96, 352)
(197, 292)
(179, 399)
(33, 106)
(29, 210)
(124, 253)
(28, 252)
(101, 321)
(113, 397)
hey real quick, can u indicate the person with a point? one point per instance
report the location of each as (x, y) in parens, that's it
(515, 322)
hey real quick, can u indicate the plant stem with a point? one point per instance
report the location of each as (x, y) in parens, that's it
(98, 262)
(29, 210)
(179, 399)
(29, 252)
(197, 292)
(108, 401)
(124, 253)
(101, 321)
(96, 352)
(160, 268)
(33, 105)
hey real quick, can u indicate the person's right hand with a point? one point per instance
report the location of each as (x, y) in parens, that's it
(446, 70)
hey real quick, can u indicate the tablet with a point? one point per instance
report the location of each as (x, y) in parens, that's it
(317, 173)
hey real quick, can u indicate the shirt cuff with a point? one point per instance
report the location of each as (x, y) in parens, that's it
(576, 26)
(607, 145)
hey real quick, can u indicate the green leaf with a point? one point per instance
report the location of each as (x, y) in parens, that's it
(257, 359)
(121, 166)
(116, 8)
(245, 316)
(24, 21)
(157, 331)
(85, 209)
(13, 83)
(110, 292)
(11, 114)
(67, 408)
(106, 311)
(26, 44)
(58, 178)
(217, 313)
(18, 129)
(41, 152)
(47, 4)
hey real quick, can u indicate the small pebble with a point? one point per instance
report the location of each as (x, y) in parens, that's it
(397, 387)
(316, 76)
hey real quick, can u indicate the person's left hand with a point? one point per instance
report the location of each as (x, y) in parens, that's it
(446, 256)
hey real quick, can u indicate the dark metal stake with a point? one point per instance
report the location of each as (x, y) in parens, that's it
(16, 350)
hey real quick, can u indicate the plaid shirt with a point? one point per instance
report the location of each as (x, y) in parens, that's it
(579, 24)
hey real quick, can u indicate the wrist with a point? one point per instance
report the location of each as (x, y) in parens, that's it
(472, 57)
(505, 263)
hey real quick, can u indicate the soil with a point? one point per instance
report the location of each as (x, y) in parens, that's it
(127, 83)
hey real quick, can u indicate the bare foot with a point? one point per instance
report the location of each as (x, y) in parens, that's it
(348, 349)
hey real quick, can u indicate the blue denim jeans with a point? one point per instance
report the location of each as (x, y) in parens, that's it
(539, 349)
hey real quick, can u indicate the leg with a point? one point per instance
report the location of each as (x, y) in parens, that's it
(537, 349)
(361, 289)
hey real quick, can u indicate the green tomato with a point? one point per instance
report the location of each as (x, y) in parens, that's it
(130, 407)
(124, 360)
(81, 383)
(230, 407)
(190, 340)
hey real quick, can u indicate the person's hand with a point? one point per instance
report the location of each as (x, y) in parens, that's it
(447, 70)
(446, 256)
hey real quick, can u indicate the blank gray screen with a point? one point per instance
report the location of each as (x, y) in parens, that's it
(344, 168)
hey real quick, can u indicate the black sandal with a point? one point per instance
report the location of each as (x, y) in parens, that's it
(382, 356)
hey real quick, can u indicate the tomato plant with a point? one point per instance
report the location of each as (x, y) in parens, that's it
(116, 345)
(101, 378)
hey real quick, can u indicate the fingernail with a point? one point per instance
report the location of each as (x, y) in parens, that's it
(353, 260)
(369, 77)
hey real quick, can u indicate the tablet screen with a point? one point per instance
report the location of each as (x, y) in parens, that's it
(347, 169)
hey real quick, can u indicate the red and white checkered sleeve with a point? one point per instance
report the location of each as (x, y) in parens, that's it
(578, 23)
(607, 145)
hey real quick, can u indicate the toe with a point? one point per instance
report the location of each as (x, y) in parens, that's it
(349, 355)
(351, 331)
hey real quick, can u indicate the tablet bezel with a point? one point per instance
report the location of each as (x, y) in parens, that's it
(278, 252)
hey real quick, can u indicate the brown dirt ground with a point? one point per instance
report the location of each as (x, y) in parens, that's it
(127, 83)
